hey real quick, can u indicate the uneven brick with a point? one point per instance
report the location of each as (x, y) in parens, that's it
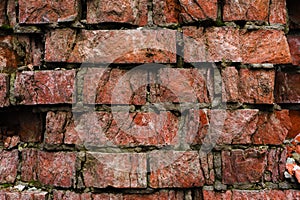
(294, 43)
(9, 166)
(272, 128)
(66, 195)
(223, 44)
(55, 126)
(56, 169)
(228, 43)
(230, 84)
(278, 14)
(243, 166)
(287, 89)
(258, 194)
(29, 165)
(180, 85)
(247, 10)
(11, 142)
(168, 12)
(207, 166)
(45, 87)
(295, 129)
(103, 129)
(120, 170)
(141, 46)
(8, 13)
(24, 195)
(194, 44)
(264, 46)
(170, 169)
(8, 57)
(4, 90)
(129, 11)
(256, 86)
(213, 195)
(41, 12)
(276, 165)
(292, 194)
(115, 86)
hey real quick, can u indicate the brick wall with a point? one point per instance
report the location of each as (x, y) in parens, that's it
(149, 99)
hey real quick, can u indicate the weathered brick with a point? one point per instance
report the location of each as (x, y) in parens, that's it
(24, 195)
(248, 86)
(207, 167)
(276, 165)
(264, 46)
(8, 13)
(246, 10)
(123, 129)
(66, 195)
(45, 87)
(295, 129)
(258, 194)
(168, 12)
(146, 46)
(9, 166)
(11, 142)
(243, 166)
(126, 11)
(120, 170)
(41, 12)
(237, 45)
(213, 195)
(115, 86)
(180, 85)
(8, 57)
(4, 90)
(278, 14)
(294, 43)
(292, 194)
(55, 126)
(56, 169)
(287, 89)
(170, 169)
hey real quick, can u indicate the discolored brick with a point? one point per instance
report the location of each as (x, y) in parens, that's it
(287, 88)
(294, 43)
(9, 161)
(4, 90)
(278, 12)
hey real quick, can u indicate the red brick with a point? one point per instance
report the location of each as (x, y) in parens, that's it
(292, 194)
(278, 14)
(55, 126)
(11, 142)
(272, 128)
(4, 90)
(287, 89)
(243, 166)
(294, 43)
(103, 46)
(248, 86)
(256, 86)
(207, 167)
(295, 129)
(223, 44)
(247, 10)
(8, 57)
(170, 169)
(276, 165)
(180, 85)
(168, 12)
(45, 87)
(138, 129)
(9, 166)
(56, 169)
(115, 86)
(228, 43)
(8, 13)
(212, 195)
(264, 46)
(29, 165)
(125, 11)
(66, 195)
(41, 12)
(120, 170)
(24, 195)
(258, 194)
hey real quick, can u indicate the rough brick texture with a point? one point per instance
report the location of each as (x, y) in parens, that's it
(287, 89)
(41, 12)
(45, 87)
(9, 165)
(129, 11)
(63, 45)
(4, 90)
(30, 195)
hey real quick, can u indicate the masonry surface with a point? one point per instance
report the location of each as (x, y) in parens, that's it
(149, 99)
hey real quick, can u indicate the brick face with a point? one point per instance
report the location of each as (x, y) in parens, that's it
(4, 90)
(287, 90)
(9, 165)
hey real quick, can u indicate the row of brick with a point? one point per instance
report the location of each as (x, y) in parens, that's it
(163, 195)
(139, 86)
(155, 169)
(215, 44)
(166, 12)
